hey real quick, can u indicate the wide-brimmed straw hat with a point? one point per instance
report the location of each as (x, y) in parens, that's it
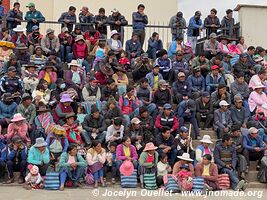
(19, 28)
(150, 146)
(185, 157)
(206, 139)
(17, 117)
(40, 142)
(127, 168)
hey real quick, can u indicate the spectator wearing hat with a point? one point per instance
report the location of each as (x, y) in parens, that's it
(197, 83)
(257, 99)
(140, 21)
(22, 54)
(242, 153)
(212, 22)
(203, 62)
(162, 95)
(176, 45)
(204, 111)
(95, 127)
(27, 109)
(238, 112)
(62, 109)
(104, 76)
(33, 17)
(188, 52)
(71, 165)
(68, 19)
(209, 171)
(11, 83)
(37, 57)
(242, 65)
(177, 24)
(223, 45)
(17, 159)
(148, 161)
(34, 39)
(166, 144)
(164, 63)
(72, 129)
(129, 105)
(213, 79)
(101, 21)
(14, 16)
(121, 79)
(186, 112)
(19, 127)
(147, 123)
(50, 42)
(142, 66)
(6, 50)
(180, 87)
(53, 57)
(7, 109)
(219, 95)
(18, 37)
(145, 96)
(154, 77)
(194, 28)
(3, 158)
(222, 119)
(85, 16)
(179, 64)
(114, 43)
(30, 77)
(184, 143)
(167, 119)
(65, 40)
(48, 73)
(116, 22)
(39, 155)
(133, 47)
(211, 46)
(154, 46)
(57, 143)
(253, 142)
(203, 148)
(184, 159)
(60, 88)
(91, 92)
(228, 23)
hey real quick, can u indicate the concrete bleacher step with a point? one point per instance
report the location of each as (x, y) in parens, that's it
(256, 184)
(252, 176)
(211, 133)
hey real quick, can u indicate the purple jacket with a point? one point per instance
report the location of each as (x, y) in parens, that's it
(68, 76)
(120, 153)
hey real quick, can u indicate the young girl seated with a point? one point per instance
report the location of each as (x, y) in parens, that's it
(124, 60)
(110, 165)
(120, 79)
(72, 129)
(148, 161)
(163, 168)
(81, 113)
(30, 77)
(115, 131)
(99, 55)
(96, 157)
(185, 178)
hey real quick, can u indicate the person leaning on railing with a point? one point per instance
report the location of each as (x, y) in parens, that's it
(14, 16)
(68, 19)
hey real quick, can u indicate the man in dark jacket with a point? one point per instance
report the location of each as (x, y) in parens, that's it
(154, 45)
(68, 19)
(14, 16)
(133, 47)
(204, 110)
(177, 24)
(226, 160)
(162, 95)
(94, 126)
(238, 112)
(86, 17)
(16, 159)
(228, 23)
(116, 21)
(243, 65)
(212, 22)
(101, 21)
(180, 87)
(140, 21)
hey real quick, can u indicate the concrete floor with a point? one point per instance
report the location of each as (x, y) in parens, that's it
(18, 193)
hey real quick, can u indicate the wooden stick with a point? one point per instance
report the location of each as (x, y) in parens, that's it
(189, 134)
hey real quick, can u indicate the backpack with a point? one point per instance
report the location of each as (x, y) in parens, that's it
(198, 184)
(224, 181)
(129, 181)
(171, 185)
(52, 181)
(150, 181)
(262, 174)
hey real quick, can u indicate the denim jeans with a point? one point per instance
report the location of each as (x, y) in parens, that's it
(232, 176)
(171, 156)
(98, 174)
(64, 52)
(21, 167)
(75, 174)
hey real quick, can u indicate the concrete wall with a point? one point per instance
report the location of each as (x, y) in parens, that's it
(253, 25)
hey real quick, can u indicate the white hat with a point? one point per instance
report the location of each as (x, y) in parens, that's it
(114, 10)
(224, 103)
(259, 85)
(74, 63)
(114, 32)
(206, 139)
(19, 28)
(135, 121)
(186, 157)
(252, 130)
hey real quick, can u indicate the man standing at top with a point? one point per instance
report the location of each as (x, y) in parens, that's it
(140, 21)
(228, 23)
(33, 17)
(194, 28)
(86, 17)
(177, 23)
(14, 16)
(68, 19)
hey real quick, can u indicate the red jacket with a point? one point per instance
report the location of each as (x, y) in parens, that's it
(172, 122)
(101, 78)
(23, 39)
(93, 39)
(73, 128)
(128, 106)
(80, 51)
(62, 37)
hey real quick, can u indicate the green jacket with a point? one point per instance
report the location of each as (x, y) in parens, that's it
(29, 113)
(196, 62)
(143, 158)
(63, 162)
(33, 15)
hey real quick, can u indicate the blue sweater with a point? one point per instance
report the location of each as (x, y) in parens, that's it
(249, 144)
(193, 25)
(12, 153)
(7, 111)
(139, 21)
(197, 83)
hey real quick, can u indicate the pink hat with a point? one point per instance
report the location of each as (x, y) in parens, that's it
(66, 98)
(188, 44)
(17, 117)
(150, 146)
(127, 168)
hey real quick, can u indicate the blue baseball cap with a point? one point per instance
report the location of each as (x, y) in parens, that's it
(34, 28)
(184, 129)
(167, 106)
